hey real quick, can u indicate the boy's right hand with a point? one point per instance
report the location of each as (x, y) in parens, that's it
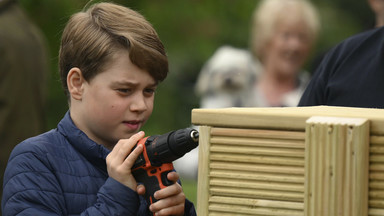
(121, 159)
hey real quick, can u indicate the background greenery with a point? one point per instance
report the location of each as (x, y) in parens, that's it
(191, 31)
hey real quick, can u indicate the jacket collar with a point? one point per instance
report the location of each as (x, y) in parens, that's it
(93, 152)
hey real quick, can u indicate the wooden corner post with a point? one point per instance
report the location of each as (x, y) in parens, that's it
(336, 166)
(203, 172)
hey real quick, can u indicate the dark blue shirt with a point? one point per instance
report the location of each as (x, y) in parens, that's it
(351, 74)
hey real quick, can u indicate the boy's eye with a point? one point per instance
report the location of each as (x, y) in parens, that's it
(150, 91)
(124, 90)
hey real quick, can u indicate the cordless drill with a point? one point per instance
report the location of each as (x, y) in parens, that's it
(153, 165)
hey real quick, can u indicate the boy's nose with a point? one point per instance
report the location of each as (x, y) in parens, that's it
(138, 103)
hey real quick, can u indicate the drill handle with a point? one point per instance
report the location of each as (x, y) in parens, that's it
(154, 179)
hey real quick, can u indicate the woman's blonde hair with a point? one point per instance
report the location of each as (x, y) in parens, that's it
(270, 12)
(91, 38)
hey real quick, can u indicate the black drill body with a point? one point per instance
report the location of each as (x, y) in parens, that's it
(153, 165)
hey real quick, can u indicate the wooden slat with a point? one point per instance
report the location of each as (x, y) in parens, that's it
(376, 194)
(258, 202)
(279, 152)
(376, 158)
(377, 149)
(257, 176)
(256, 194)
(236, 210)
(263, 185)
(379, 140)
(293, 170)
(376, 185)
(376, 167)
(300, 144)
(376, 203)
(254, 133)
(256, 159)
(286, 118)
(218, 213)
(376, 176)
(375, 212)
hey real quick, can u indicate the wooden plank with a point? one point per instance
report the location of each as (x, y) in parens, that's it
(376, 184)
(377, 140)
(257, 176)
(256, 159)
(376, 167)
(258, 133)
(256, 194)
(377, 149)
(263, 185)
(376, 194)
(287, 118)
(203, 170)
(376, 203)
(375, 212)
(376, 158)
(237, 210)
(257, 202)
(279, 152)
(218, 213)
(292, 170)
(376, 175)
(337, 162)
(299, 144)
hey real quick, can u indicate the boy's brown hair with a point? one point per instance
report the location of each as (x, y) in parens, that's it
(93, 36)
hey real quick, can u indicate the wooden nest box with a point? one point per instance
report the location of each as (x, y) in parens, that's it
(312, 161)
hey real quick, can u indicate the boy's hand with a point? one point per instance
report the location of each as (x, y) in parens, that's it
(171, 200)
(121, 160)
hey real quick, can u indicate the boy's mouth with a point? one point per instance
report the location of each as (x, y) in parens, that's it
(133, 125)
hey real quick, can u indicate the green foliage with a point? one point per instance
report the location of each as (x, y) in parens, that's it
(190, 190)
(191, 31)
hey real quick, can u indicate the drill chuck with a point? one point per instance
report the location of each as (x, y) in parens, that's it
(171, 146)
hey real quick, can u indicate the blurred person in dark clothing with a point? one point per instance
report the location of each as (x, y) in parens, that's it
(23, 71)
(351, 73)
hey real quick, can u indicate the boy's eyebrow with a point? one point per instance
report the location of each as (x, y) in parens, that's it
(129, 83)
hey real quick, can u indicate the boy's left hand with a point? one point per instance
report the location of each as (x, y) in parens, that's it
(171, 200)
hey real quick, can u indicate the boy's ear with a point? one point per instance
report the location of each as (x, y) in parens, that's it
(75, 81)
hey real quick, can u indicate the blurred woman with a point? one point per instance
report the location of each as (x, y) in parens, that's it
(283, 34)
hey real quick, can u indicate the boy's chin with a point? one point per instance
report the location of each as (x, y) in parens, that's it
(127, 135)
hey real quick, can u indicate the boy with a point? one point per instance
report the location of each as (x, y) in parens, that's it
(111, 61)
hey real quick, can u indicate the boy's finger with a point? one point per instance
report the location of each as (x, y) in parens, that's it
(126, 145)
(168, 206)
(130, 160)
(173, 176)
(168, 191)
(140, 189)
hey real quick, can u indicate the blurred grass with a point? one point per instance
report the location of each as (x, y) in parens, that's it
(190, 190)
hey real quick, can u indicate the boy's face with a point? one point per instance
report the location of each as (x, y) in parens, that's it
(117, 102)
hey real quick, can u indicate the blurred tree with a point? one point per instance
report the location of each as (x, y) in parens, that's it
(191, 30)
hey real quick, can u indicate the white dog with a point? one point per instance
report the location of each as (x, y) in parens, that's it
(226, 80)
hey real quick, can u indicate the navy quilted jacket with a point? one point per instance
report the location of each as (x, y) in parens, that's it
(63, 172)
